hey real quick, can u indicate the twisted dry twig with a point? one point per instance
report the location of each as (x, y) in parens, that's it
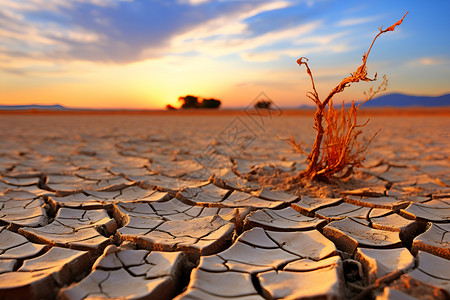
(340, 139)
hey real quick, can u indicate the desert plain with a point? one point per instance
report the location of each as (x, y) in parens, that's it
(197, 206)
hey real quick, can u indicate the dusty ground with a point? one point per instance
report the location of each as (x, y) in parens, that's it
(165, 206)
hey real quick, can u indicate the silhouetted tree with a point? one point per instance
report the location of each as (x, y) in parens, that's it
(211, 103)
(170, 107)
(266, 104)
(193, 102)
(189, 102)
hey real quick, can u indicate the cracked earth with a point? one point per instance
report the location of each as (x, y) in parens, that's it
(153, 207)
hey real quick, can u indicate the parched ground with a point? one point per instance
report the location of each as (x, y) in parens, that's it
(198, 207)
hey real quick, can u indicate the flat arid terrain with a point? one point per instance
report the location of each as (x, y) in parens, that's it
(199, 206)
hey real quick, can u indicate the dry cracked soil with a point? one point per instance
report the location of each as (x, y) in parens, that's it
(169, 207)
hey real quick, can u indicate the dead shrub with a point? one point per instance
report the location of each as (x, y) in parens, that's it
(336, 148)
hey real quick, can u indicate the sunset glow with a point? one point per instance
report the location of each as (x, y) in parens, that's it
(145, 54)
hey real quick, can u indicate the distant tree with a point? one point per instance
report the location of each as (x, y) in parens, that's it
(193, 102)
(211, 103)
(189, 102)
(265, 104)
(170, 107)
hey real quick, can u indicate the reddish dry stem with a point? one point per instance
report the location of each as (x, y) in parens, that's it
(340, 135)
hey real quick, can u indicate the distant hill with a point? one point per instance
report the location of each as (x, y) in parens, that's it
(33, 106)
(401, 100)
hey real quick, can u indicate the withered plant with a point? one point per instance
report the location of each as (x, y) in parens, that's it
(337, 148)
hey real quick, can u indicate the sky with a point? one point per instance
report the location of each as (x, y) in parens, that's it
(138, 54)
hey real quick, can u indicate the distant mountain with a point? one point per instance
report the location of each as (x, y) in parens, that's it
(33, 106)
(401, 100)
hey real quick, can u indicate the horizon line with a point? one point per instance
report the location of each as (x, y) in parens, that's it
(300, 106)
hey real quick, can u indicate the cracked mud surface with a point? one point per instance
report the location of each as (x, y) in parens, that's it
(152, 207)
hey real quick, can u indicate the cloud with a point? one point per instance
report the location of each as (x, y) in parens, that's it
(356, 21)
(265, 56)
(229, 23)
(301, 46)
(39, 29)
(194, 2)
(324, 39)
(227, 33)
(10, 15)
(37, 71)
(54, 5)
(127, 31)
(40, 39)
(429, 61)
(118, 31)
(218, 46)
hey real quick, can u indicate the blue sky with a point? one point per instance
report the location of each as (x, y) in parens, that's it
(144, 54)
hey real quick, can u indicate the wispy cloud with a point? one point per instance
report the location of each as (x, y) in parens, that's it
(264, 56)
(193, 2)
(237, 44)
(429, 61)
(226, 25)
(124, 31)
(54, 5)
(357, 21)
(117, 30)
(41, 39)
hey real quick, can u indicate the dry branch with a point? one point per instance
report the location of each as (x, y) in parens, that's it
(341, 149)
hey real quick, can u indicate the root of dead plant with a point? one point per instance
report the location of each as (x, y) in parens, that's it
(331, 188)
